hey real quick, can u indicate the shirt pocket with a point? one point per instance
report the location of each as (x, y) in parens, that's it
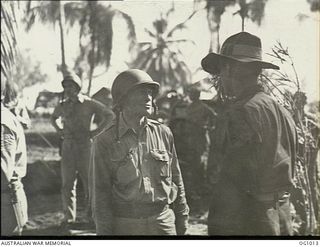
(161, 162)
(125, 170)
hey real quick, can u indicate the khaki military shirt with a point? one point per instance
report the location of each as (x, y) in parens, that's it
(254, 145)
(76, 116)
(13, 148)
(140, 168)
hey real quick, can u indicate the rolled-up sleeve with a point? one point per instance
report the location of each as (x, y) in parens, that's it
(100, 179)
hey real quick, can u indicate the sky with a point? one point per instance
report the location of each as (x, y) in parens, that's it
(280, 23)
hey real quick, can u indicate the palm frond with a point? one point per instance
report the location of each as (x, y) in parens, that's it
(181, 25)
(256, 10)
(177, 41)
(150, 33)
(132, 37)
(8, 37)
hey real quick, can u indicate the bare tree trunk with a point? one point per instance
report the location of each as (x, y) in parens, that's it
(218, 37)
(61, 22)
(92, 6)
(242, 22)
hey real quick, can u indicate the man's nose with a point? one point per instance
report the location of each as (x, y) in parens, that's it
(147, 95)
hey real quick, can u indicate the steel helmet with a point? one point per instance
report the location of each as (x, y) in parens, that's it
(128, 80)
(72, 77)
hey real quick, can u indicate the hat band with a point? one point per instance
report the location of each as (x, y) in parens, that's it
(247, 51)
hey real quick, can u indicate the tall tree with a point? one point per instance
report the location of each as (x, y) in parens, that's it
(53, 12)
(8, 37)
(254, 10)
(314, 5)
(96, 31)
(215, 9)
(162, 58)
(96, 36)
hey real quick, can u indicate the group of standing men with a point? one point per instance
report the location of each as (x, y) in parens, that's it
(134, 184)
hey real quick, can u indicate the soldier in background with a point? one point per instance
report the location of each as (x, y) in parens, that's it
(254, 148)
(136, 176)
(199, 120)
(13, 168)
(76, 112)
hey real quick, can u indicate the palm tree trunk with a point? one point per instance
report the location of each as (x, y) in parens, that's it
(242, 24)
(92, 66)
(61, 21)
(92, 21)
(218, 37)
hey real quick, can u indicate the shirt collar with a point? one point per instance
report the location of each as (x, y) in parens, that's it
(80, 98)
(124, 128)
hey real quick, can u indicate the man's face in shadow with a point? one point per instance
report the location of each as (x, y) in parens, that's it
(139, 101)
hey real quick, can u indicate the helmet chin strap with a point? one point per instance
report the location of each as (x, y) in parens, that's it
(155, 108)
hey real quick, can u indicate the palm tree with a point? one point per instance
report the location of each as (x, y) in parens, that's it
(162, 58)
(254, 10)
(8, 37)
(96, 35)
(96, 32)
(314, 5)
(51, 12)
(215, 9)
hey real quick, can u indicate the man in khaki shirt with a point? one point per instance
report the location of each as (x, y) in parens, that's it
(76, 112)
(13, 168)
(254, 145)
(137, 187)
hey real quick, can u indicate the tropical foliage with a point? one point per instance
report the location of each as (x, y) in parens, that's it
(96, 36)
(248, 9)
(8, 37)
(26, 71)
(215, 9)
(306, 195)
(162, 58)
(254, 10)
(96, 31)
(51, 13)
(314, 5)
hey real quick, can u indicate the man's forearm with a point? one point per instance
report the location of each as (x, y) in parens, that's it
(55, 125)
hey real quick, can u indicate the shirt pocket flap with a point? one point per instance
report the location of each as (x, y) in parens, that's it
(123, 157)
(160, 155)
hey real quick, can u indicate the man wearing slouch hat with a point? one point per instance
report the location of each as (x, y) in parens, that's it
(253, 151)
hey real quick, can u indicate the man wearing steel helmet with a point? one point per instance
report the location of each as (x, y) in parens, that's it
(76, 112)
(253, 151)
(136, 176)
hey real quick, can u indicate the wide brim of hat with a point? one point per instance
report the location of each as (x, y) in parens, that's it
(213, 61)
(64, 81)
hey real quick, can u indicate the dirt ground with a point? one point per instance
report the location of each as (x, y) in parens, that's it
(43, 182)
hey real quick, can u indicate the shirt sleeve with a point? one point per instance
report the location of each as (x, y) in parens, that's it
(180, 205)
(13, 151)
(101, 186)
(102, 110)
(57, 111)
(8, 150)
